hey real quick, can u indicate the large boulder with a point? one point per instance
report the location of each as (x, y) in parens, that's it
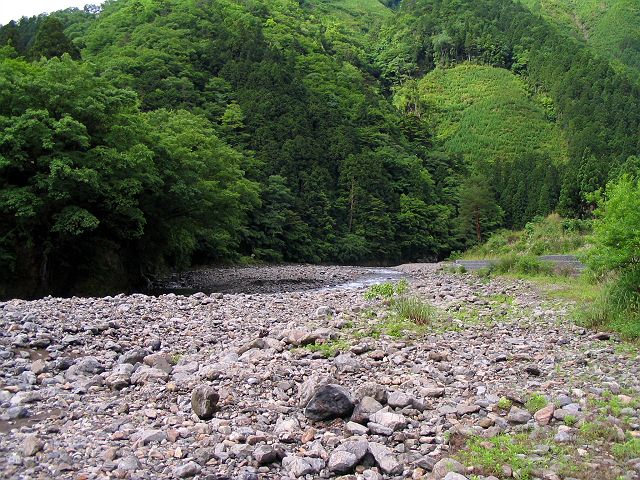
(328, 402)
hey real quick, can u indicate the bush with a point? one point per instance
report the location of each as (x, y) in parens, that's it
(522, 264)
(414, 309)
(615, 259)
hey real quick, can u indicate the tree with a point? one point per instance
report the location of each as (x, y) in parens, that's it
(478, 212)
(51, 41)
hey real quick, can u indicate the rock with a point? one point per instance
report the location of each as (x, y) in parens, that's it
(532, 370)
(356, 429)
(544, 415)
(432, 392)
(328, 402)
(454, 476)
(148, 436)
(297, 466)
(518, 415)
(324, 312)
(394, 421)
(445, 466)
(31, 445)
(346, 362)
(264, 454)
(384, 458)
(342, 461)
(146, 374)
(129, 463)
(364, 409)
(399, 400)
(564, 435)
(189, 469)
(204, 400)
(120, 377)
(344, 458)
(133, 356)
(161, 361)
(307, 389)
(373, 390)
(38, 367)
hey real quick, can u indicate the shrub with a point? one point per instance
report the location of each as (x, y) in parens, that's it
(414, 309)
(615, 259)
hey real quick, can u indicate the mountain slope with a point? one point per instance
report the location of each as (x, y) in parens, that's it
(610, 27)
(487, 115)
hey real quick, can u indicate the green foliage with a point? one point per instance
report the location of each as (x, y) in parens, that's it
(492, 454)
(550, 235)
(615, 257)
(414, 309)
(627, 450)
(329, 348)
(536, 402)
(521, 264)
(386, 290)
(89, 185)
(51, 41)
(478, 213)
(610, 27)
(504, 403)
(570, 420)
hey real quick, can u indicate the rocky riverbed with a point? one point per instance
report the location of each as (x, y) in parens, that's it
(318, 383)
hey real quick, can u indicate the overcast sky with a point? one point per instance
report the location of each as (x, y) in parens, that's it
(15, 9)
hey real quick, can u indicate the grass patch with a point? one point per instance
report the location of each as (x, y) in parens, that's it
(570, 420)
(414, 309)
(491, 454)
(616, 305)
(551, 235)
(330, 348)
(504, 403)
(536, 402)
(386, 290)
(627, 450)
(597, 430)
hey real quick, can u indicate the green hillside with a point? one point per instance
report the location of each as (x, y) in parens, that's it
(487, 115)
(611, 27)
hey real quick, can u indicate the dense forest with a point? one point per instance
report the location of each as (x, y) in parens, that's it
(148, 135)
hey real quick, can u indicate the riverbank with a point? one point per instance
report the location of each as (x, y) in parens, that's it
(102, 387)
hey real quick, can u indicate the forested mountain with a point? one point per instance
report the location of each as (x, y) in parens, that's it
(156, 134)
(611, 27)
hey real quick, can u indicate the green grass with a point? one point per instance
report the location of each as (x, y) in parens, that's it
(487, 115)
(616, 306)
(386, 290)
(551, 235)
(627, 450)
(413, 309)
(536, 402)
(330, 348)
(504, 403)
(492, 454)
(597, 430)
(570, 420)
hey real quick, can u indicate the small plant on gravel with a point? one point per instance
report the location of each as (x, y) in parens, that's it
(414, 309)
(536, 402)
(386, 290)
(627, 450)
(329, 349)
(491, 455)
(504, 403)
(570, 420)
(175, 358)
(598, 430)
